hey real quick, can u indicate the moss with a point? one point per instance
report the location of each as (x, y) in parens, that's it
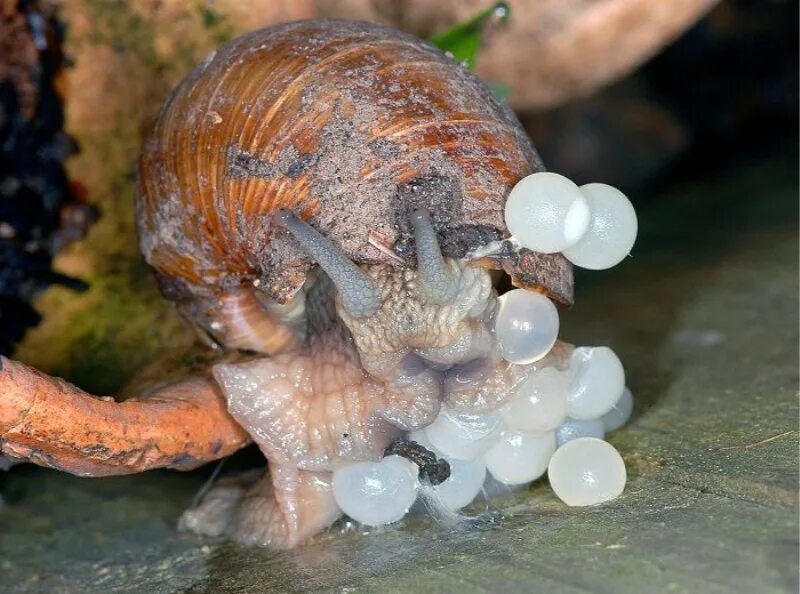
(132, 55)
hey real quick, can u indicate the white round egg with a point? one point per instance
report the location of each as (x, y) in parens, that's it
(540, 402)
(520, 457)
(464, 483)
(526, 326)
(612, 230)
(493, 488)
(619, 413)
(587, 471)
(573, 429)
(376, 493)
(461, 487)
(547, 213)
(463, 436)
(597, 380)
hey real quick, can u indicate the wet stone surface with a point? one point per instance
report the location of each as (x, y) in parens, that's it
(704, 317)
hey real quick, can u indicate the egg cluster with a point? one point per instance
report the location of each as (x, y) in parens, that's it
(593, 225)
(554, 421)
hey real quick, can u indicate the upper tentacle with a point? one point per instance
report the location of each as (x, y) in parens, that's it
(437, 282)
(358, 294)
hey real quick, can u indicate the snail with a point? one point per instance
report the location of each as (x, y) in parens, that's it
(329, 198)
(351, 125)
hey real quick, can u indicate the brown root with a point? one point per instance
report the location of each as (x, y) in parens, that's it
(49, 422)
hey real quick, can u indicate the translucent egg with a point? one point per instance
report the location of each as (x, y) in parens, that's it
(464, 483)
(547, 213)
(520, 457)
(376, 493)
(540, 403)
(597, 380)
(586, 471)
(493, 488)
(612, 231)
(419, 436)
(462, 436)
(573, 429)
(526, 326)
(620, 412)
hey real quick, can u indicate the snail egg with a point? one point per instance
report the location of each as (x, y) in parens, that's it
(612, 231)
(493, 488)
(540, 402)
(464, 483)
(586, 471)
(620, 412)
(463, 436)
(547, 213)
(573, 429)
(597, 380)
(520, 457)
(376, 493)
(526, 326)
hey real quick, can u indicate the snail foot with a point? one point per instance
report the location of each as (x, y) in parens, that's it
(279, 510)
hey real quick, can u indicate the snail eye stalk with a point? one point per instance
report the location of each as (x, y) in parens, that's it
(437, 282)
(359, 295)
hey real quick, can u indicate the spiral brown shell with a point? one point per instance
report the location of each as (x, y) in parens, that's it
(350, 124)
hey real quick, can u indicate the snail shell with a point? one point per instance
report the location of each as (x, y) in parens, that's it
(350, 125)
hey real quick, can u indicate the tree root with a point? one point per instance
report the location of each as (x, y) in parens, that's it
(49, 422)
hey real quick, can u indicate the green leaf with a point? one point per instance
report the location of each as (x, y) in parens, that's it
(500, 90)
(463, 41)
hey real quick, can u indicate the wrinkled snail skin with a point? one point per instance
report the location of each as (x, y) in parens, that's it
(280, 510)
